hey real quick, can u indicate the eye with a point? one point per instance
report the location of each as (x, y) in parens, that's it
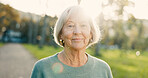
(70, 25)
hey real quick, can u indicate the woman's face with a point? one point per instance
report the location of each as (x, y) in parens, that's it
(76, 32)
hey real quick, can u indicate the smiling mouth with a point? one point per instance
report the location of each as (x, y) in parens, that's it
(77, 39)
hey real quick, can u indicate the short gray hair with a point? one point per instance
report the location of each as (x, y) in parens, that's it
(95, 30)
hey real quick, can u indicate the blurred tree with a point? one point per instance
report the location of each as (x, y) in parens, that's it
(47, 24)
(114, 30)
(9, 17)
(52, 22)
(30, 31)
(120, 36)
(35, 32)
(100, 22)
(136, 31)
(43, 34)
(79, 1)
(24, 28)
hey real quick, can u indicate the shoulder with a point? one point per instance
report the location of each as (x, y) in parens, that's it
(100, 63)
(45, 61)
(102, 66)
(43, 66)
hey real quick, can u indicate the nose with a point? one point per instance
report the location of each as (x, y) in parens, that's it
(77, 30)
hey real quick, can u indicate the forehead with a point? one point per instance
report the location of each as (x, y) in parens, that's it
(77, 15)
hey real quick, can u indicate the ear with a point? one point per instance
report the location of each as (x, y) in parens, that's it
(91, 35)
(61, 36)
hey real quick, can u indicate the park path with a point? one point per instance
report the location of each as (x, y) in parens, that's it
(15, 61)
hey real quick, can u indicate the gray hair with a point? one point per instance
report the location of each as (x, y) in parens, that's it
(96, 34)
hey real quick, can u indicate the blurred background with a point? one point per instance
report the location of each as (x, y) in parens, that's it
(123, 24)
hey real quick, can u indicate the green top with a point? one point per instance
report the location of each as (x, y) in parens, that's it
(52, 67)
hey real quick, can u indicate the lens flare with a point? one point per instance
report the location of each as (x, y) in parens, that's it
(57, 68)
(138, 53)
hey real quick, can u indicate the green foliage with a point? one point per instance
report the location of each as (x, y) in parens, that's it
(127, 34)
(41, 53)
(124, 63)
(9, 17)
(1, 44)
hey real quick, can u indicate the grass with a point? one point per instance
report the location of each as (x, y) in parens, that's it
(124, 63)
(1, 44)
(41, 53)
(127, 64)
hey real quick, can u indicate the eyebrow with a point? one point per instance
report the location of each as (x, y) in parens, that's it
(80, 21)
(70, 21)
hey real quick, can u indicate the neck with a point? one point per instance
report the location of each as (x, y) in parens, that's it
(74, 58)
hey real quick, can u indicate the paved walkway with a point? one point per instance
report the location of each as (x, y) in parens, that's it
(15, 61)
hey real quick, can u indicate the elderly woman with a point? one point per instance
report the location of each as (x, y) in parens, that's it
(74, 31)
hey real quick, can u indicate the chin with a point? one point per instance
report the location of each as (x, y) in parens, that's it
(78, 47)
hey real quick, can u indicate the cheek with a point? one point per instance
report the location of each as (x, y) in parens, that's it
(87, 34)
(66, 34)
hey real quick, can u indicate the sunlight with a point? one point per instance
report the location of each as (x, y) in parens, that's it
(93, 7)
(26, 5)
(140, 9)
(108, 13)
(56, 7)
